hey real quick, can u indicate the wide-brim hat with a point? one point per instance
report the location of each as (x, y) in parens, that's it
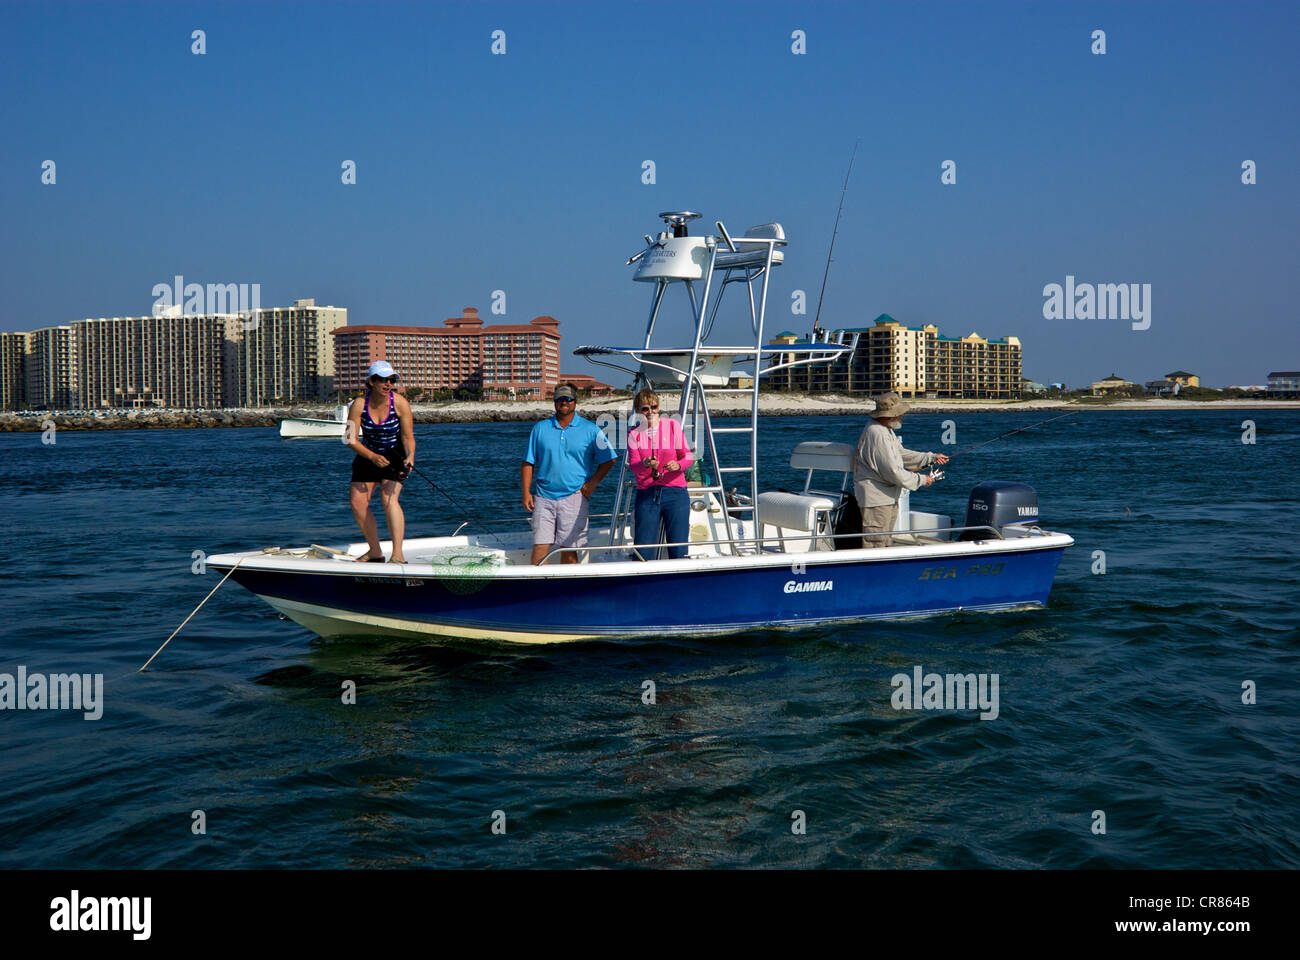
(890, 405)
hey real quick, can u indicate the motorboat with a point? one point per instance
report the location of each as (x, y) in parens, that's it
(316, 427)
(756, 558)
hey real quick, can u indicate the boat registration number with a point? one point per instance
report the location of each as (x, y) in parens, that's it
(950, 573)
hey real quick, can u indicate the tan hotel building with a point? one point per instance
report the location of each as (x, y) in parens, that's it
(13, 367)
(284, 354)
(912, 361)
(502, 361)
(167, 361)
(50, 371)
(278, 355)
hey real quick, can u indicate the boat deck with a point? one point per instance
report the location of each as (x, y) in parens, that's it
(497, 554)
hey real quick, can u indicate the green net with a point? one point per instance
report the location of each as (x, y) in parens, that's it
(465, 570)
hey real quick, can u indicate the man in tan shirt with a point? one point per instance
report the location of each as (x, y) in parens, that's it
(883, 469)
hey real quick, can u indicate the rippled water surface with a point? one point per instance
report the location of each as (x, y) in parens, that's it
(1123, 696)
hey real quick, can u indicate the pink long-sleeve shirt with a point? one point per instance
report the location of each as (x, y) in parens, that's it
(667, 442)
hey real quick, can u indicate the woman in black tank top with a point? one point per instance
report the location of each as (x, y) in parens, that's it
(381, 431)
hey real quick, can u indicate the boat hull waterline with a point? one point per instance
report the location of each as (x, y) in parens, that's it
(693, 597)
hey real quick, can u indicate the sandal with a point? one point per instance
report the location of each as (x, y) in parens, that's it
(369, 559)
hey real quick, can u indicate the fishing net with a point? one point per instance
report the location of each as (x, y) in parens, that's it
(464, 570)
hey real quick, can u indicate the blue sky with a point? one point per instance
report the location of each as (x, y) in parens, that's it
(522, 172)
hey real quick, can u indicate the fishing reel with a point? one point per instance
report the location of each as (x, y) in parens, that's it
(736, 499)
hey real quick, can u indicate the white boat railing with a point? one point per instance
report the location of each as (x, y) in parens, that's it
(802, 536)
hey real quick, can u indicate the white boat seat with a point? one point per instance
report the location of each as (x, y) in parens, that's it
(747, 258)
(794, 511)
(820, 455)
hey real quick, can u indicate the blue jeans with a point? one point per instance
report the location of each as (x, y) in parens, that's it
(662, 508)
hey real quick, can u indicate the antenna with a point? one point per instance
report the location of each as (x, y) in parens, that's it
(833, 234)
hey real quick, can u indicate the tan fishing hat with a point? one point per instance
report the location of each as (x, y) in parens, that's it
(890, 405)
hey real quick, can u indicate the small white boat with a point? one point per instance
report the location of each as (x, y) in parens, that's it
(310, 427)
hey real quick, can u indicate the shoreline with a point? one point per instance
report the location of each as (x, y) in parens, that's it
(528, 411)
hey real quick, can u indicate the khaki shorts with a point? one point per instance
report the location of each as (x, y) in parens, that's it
(562, 523)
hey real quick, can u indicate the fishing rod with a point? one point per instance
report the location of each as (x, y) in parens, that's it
(456, 505)
(834, 232)
(1010, 432)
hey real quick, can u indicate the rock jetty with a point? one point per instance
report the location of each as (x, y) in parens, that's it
(770, 405)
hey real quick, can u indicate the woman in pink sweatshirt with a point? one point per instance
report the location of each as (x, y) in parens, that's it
(658, 455)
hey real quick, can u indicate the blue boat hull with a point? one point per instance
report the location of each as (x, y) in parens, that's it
(683, 601)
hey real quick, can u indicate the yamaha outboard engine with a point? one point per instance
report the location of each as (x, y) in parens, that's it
(997, 503)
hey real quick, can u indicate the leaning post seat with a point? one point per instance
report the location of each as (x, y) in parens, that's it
(795, 511)
(821, 455)
(751, 249)
(811, 511)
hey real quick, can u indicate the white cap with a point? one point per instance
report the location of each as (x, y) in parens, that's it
(381, 368)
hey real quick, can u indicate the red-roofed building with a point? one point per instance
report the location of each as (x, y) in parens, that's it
(503, 361)
(587, 386)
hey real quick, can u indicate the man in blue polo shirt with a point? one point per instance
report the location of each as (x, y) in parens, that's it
(567, 458)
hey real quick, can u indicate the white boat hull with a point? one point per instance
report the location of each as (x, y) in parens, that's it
(306, 427)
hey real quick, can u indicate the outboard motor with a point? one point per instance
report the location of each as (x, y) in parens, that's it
(998, 503)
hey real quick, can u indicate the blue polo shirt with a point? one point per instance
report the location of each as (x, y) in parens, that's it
(563, 458)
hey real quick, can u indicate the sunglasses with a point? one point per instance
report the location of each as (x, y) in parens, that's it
(385, 379)
(565, 400)
(648, 409)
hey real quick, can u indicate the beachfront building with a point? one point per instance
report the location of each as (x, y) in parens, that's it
(521, 361)
(1162, 388)
(973, 367)
(912, 361)
(1172, 384)
(883, 357)
(164, 361)
(587, 386)
(283, 354)
(897, 358)
(50, 370)
(497, 362)
(175, 360)
(1112, 384)
(13, 366)
(1284, 385)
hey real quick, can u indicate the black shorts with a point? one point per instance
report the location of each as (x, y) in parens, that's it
(366, 471)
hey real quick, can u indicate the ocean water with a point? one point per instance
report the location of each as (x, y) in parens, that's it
(1124, 696)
